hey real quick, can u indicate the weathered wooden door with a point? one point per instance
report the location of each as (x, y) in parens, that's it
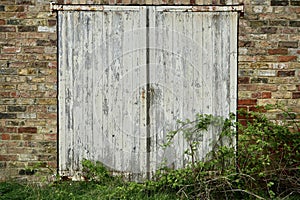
(126, 74)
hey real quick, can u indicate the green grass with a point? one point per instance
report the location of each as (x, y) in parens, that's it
(76, 190)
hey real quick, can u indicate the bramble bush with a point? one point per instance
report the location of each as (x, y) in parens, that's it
(264, 163)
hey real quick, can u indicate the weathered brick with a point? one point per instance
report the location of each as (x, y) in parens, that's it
(46, 42)
(246, 43)
(266, 73)
(2, 7)
(47, 29)
(258, 23)
(288, 44)
(34, 50)
(26, 115)
(27, 172)
(7, 29)
(278, 23)
(16, 108)
(269, 30)
(266, 95)
(267, 87)
(14, 8)
(13, 22)
(244, 80)
(15, 137)
(25, 2)
(52, 22)
(8, 71)
(278, 51)
(287, 58)
(286, 73)
(295, 2)
(247, 102)
(296, 95)
(2, 165)
(259, 80)
(47, 101)
(7, 116)
(8, 157)
(279, 3)
(11, 49)
(27, 130)
(281, 95)
(27, 28)
(295, 23)
(5, 136)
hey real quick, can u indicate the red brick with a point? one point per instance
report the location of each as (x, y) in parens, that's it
(247, 102)
(50, 137)
(11, 49)
(257, 109)
(243, 122)
(52, 65)
(261, 95)
(256, 95)
(8, 157)
(266, 95)
(247, 87)
(8, 129)
(244, 80)
(51, 22)
(243, 108)
(296, 95)
(27, 130)
(47, 116)
(287, 58)
(278, 51)
(5, 136)
(34, 49)
(2, 22)
(4, 94)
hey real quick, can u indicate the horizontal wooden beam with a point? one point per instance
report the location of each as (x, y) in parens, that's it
(68, 7)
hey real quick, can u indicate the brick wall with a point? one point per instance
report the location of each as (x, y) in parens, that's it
(269, 68)
(269, 72)
(28, 79)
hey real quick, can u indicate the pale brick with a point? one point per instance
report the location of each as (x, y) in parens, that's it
(287, 87)
(263, 102)
(26, 115)
(282, 95)
(47, 29)
(266, 73)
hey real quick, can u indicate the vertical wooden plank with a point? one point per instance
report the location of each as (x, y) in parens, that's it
(69, 93)
(62, 87)
(98, 75)
(179, 86)
(233, 18)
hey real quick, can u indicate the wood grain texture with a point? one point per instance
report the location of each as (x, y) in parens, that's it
(114, 63)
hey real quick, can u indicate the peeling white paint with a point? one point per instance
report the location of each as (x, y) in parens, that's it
(126, 76)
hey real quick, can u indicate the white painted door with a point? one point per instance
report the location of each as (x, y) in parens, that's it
(126, 74)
